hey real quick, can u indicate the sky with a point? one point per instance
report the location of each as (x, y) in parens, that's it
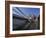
(26, 11)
